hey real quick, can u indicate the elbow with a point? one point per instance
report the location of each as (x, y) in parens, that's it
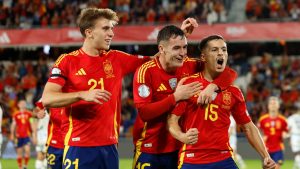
(46, 101)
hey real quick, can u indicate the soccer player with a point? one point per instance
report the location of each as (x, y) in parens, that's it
(55, 144)
(203, 129)
(294, 131)
(156, 91)
(87, 82)
(274, 126)
(233, 144)
(40, 129)
(21, 126)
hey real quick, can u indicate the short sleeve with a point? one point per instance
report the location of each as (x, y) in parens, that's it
(142, 88)
(59, 71)
(239, 112)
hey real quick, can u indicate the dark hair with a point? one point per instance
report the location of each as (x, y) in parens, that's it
(203, 44)
(88, 17)
(169, 31)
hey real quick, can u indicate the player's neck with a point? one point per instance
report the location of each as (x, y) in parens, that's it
(166, 66)
(274, 114)
(90, 50)
(210, 75)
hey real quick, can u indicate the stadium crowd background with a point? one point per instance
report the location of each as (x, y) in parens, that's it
(262, 73)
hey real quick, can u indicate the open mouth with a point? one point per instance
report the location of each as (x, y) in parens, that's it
(220, 61)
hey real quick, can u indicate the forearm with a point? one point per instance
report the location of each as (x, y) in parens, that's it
(255, 139)
(150, 111)
(59, 99)
(175, 129)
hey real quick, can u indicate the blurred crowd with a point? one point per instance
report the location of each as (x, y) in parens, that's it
(57, 13)
(273, 10)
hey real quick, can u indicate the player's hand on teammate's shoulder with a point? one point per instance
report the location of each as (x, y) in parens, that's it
(207, 95)
(268, 163)
(188, 26)
(96, 95)
(185, 91)
(191, 136)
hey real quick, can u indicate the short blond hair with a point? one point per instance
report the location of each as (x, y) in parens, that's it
(88, 17)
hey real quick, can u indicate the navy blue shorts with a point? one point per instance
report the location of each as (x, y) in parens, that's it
(22, 142)
(156, 161)
(54, 158)
(224, 164)
(100, 157)
(277, 157)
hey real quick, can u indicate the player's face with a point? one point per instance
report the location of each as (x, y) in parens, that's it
(273, 105)
(102, 33)
(174, 51)
(215, 56)
(22, 104)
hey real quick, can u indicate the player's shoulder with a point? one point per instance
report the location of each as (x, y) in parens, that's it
(193, 78)
(236, 92)
(116, 53)
(282, 117)
(263, 117)
(145, 70)
(149, 65)
(67, 56)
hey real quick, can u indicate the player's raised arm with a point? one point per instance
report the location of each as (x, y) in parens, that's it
(188, 26)
(256, 141)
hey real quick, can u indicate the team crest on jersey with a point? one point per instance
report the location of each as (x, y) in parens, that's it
(144, 91)
(173, 83)
(227, 98)
(108, 69)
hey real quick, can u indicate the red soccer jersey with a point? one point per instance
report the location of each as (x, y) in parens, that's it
(55, 132)
(151, 84)
(89, 123)
(212, 121)
(273, 129)
(23, 127)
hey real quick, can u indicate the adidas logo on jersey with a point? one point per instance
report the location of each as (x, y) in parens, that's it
(161, 87)
(80, 72)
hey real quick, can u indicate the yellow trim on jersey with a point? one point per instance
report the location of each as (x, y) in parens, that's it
(230, 150)
(50, 136)
(68, 135)
(138, 146)
(181, 158)
(116, 122)
(263, 117)
(66, 149)
(142, 70)
(59, 59)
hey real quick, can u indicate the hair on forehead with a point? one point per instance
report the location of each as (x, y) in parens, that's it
(203, 44)
(168, 32)
(88, 16)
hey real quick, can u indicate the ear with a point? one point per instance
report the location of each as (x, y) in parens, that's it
(88, 33)
(161, 49)
(202, 58)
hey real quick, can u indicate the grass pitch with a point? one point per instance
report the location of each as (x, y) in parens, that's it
(126, 164)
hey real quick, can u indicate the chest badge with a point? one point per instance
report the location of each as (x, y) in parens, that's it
(108, 69)
(173, 83)
(227, 98)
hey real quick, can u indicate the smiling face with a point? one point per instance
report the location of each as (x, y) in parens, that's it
(173, 52)
(101, 33)
(215, 56)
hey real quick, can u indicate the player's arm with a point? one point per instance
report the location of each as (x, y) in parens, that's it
(149, 111)
(224, 80)
(256, 142)
(190, 137)
(34, 127)
(12, 130)
(54, 97)
(188, 26)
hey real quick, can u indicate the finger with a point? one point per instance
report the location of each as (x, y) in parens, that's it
(193, 22)
(182, 81)
(97, 101)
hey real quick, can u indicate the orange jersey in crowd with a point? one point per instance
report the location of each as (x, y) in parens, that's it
(273, 129)
(23, 127)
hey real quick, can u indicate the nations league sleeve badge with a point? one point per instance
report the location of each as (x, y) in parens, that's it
(144, 91)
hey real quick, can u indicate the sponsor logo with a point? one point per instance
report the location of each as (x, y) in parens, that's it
(76, 139)
(153, 34)
(80, 72)
(189, 155)
(74, 34)
(144, 91)
(148, 145)
(4, 38)
(161, 87)
(235, 30)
